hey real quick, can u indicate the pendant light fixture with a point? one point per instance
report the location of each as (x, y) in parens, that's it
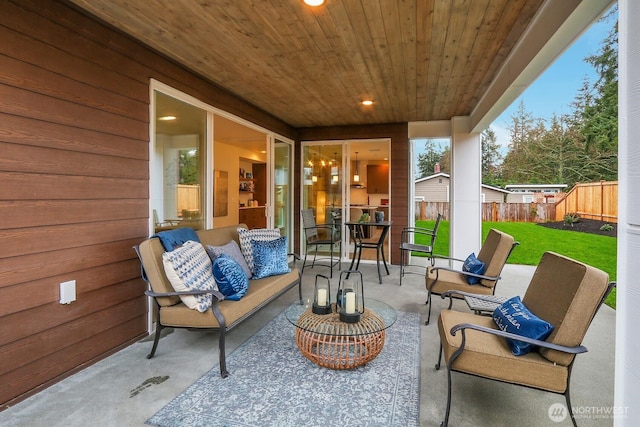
(356, 176)
(334, 169)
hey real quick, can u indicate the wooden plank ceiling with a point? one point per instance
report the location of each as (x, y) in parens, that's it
(416, 59)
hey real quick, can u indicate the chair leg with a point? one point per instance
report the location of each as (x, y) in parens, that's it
(304, 263)
(378, 264)
(331, 261)
(439, 358)
(156, 340)
(224, 373)
(445, 423)
(315, 254)
(384, 260)
(568, 399)
(401, 265)
(429, 304)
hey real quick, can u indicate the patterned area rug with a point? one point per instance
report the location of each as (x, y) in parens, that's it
(273, 384)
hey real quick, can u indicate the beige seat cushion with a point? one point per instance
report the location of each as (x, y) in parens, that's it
(494, 253)
(489, 356)
(179, 315)
(452, 280)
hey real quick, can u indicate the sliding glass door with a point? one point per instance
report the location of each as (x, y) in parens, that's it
(283, 194)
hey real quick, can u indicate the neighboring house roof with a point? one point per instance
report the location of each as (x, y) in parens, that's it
(533, 187)
(446, 175)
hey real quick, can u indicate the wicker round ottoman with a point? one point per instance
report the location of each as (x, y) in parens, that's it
(330, 343)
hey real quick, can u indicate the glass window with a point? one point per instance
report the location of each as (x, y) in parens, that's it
(179, 179)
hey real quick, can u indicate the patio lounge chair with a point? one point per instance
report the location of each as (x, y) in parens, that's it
(564, 292)
(494, 254)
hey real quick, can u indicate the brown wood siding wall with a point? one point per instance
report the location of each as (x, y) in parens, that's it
(74, 179)
(399, 170)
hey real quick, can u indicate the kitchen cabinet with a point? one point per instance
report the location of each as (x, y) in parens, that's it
(377, 179)
(253, 217)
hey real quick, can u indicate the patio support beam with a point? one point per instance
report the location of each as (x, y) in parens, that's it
(465, 189)
(627, 373)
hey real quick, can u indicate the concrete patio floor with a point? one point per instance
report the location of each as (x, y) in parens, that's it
(126, 389)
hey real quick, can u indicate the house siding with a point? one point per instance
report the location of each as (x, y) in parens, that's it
(74, 174)
(433, 190)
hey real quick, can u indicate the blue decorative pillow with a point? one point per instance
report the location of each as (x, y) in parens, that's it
(475, 266)
(230, 277)
(231, 249)
(172, 239)
(512, 316)
(270, 257)
(246, 236)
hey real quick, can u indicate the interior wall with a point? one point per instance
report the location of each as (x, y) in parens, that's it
(74, 197)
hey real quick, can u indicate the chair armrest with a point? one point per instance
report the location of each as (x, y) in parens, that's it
(453, 293)
(466, 273)
(447, 257)
(464, 326)
(213, 292)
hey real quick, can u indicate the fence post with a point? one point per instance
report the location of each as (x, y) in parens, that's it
(423, 210)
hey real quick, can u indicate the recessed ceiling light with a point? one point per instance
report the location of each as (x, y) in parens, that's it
(167, 118)
(314, 2)
(367, 102)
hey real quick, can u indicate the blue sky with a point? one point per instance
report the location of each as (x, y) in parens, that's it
(557, 87)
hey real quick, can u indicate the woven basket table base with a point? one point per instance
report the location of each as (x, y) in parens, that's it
(330, 343)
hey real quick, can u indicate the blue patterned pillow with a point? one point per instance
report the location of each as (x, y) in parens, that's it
(475, 266)
(270, 257)
(230, 277)
(246, 236)
(512, 316)
(188, 268)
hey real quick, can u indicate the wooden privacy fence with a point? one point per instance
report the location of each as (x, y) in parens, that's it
(188, 200)
(593, 200)
(493, 211)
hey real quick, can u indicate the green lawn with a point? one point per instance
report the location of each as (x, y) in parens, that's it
(597, 251)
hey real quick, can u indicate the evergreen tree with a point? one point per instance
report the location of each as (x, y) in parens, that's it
(491, 158)
(428, 160)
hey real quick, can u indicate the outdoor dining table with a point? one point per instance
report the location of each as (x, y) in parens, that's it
(357, 232)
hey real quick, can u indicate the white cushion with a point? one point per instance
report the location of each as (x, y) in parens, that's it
(246, 236)
(189, 268)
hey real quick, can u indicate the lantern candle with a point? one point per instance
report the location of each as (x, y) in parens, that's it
(350, 305)
(322, 297)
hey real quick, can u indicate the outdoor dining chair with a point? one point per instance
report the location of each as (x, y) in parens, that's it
(412, 239)
(317, 235)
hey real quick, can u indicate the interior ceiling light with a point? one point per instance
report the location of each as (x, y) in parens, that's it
(167, 118)
(367, 102)
(356, 176)
(313, 2)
